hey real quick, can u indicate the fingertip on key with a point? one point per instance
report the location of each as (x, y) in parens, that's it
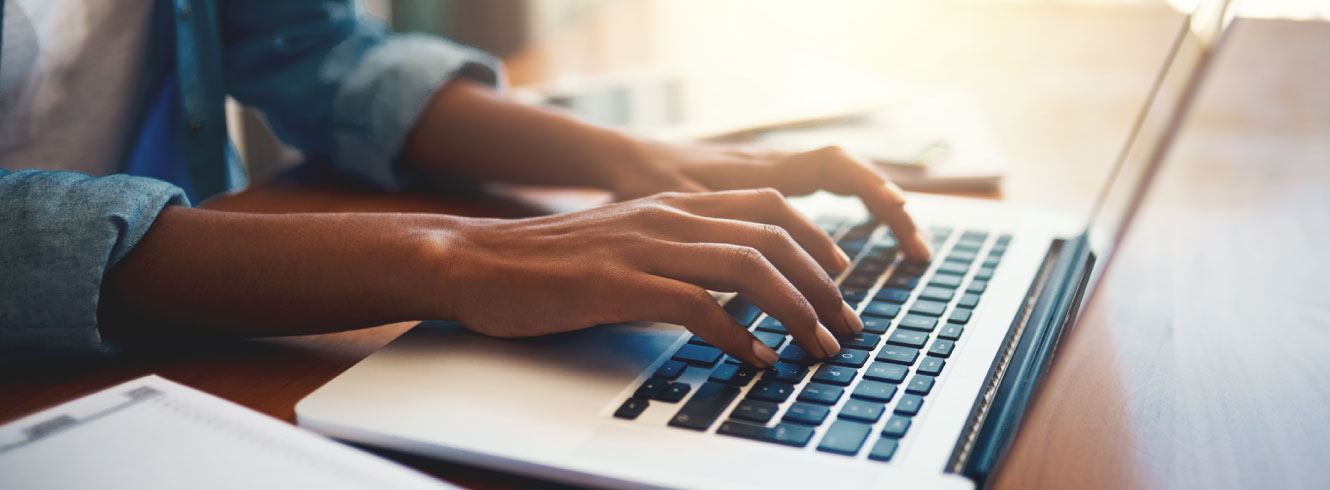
(764, 354)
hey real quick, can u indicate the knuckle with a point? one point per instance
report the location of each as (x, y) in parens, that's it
(694, 299)
(768, 195)
(774, 236)
(746, 258)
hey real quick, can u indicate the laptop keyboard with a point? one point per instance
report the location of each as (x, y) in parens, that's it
(863, 398)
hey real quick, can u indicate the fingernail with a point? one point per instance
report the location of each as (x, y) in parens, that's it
(922, 240)
(830, 345)
(764, 354)
(843, 259)
(851, 320)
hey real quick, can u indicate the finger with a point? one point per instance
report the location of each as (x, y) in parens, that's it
(722, 267)
(886, 201)
(767, 206)
(844, 173)
(778, 246)
(666, 300)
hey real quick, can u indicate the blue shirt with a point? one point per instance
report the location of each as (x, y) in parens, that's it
(330, 81)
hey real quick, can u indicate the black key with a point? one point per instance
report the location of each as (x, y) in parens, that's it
(852, 247)
(882, 309)
(898, 355)
(984, 273)
(836, 375)
(955, 268)
(968, 245)
(884, 449)
(919, 322)
(908, 338)
(670, 370)
(787, 434)
(920, 384)
(965, 256)
(893, 295)
(791, 434)
(875, 325)
(874, 391)
(631, 408)
(853, 294)
(930, 308)
(896, 426)
(794, 354)
(977, 286)
(844, 437)
(881, 253)
(732, 360)
(862, 410)
(850, 357)
(734, 374)
(698, 355)
(769, 339)
(945, 280)
(960, 315)
(807, 413)
(937, 294)
(695, 340)
(932, 366)
(742, 310)
(909, 405)
(771, 391)
(912, 268)
(1004, 239)
(863, 341)
(968, 300)
(951, 331)
(942, 348)
(787, 372)
(650, 388)
(992, 261)
(973, 235)
(891, 373)
(902, 281)
(674, 393)
(770, 324)
(821, 393)
(754, 410)
(864, 281)
(704, 406)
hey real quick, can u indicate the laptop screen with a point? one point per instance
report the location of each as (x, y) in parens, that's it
(1156, 126)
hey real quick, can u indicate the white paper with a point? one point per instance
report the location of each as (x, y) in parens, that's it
(151, 433)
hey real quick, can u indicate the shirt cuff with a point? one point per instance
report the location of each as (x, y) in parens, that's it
(62, 231)
(382, 98)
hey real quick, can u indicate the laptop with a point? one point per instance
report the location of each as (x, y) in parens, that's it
(929, 395)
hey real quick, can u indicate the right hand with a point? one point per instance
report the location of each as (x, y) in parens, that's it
(650, 259)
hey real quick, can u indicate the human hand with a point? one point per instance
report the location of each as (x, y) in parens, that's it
(695, 168)
(649, 259)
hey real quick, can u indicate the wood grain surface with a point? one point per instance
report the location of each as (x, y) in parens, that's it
(1202, 362)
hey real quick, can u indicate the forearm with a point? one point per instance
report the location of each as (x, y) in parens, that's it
(468, 130)
(204, 273)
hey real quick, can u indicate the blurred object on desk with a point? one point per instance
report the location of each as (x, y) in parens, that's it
(925, 138)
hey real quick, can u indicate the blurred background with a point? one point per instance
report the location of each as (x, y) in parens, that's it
(996, 80)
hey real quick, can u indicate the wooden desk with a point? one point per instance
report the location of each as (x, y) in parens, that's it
(1203, 361)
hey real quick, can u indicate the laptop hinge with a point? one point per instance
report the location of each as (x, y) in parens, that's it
(1049, 307)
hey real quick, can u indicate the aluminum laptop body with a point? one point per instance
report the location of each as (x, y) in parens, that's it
(547, 406)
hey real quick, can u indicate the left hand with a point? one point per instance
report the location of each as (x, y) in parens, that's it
(697, 168)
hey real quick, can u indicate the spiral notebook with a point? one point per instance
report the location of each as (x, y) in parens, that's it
(151, 433)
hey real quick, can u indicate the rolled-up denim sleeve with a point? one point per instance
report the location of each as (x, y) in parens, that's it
(337, 84)
(62, 230)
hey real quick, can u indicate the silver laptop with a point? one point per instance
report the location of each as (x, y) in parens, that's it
(929, 395)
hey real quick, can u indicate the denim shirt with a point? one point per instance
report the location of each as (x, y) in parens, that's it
(330, 81)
